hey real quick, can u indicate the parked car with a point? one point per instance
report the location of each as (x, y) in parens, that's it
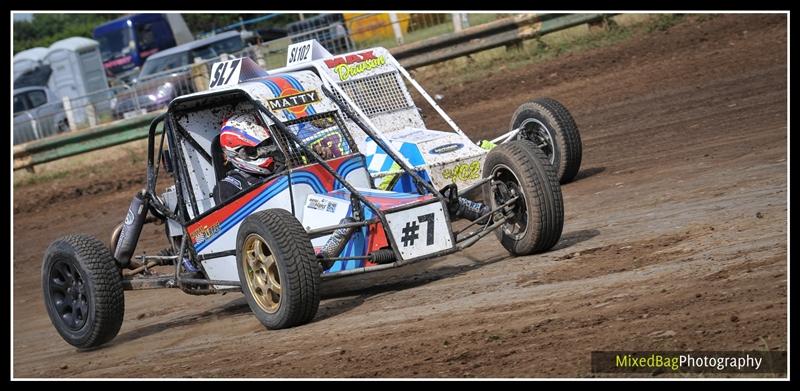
(37, 113)
(166, 74)
(329, 30)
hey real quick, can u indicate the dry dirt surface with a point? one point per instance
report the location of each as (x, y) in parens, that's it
(675, 238)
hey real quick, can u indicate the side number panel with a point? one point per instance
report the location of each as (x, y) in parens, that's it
(420, 231)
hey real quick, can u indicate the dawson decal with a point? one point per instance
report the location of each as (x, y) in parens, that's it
(355, 64)
(463, 171)
(447, 148)
(294, 101)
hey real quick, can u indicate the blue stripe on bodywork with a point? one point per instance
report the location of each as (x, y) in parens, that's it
(303, 177)
(235, 218)
(345, 169)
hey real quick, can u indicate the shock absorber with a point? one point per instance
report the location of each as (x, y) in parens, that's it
(460, 207)
(131, 228)
(470, 210)
(333, 247)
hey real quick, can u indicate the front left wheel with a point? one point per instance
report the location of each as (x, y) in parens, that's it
(279, 272)
(550, 126)
(83, 291)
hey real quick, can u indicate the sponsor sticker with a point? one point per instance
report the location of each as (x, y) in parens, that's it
(321, 204)
(293, 100)
(463, 172)
(353, 65)
(447, 148)
(204, 232)
(129, 217)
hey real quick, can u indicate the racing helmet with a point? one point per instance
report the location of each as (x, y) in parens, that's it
(238, 137)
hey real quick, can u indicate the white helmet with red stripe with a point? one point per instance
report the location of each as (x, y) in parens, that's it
(237, 137)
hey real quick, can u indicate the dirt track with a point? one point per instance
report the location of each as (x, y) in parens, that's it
(675, 238)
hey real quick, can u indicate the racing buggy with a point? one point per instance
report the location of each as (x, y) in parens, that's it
(356, 184)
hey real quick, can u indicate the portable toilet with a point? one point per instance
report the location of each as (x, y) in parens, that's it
(78, 73)
(28, 59)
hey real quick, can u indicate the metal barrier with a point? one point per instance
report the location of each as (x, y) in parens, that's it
(69, 144)
(503, 32)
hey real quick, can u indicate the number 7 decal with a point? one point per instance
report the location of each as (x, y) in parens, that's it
(428, 218)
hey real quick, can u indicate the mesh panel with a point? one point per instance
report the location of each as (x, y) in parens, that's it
(296, 156)
(377, 94)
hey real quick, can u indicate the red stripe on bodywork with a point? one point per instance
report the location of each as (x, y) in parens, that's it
(325, 178)
(218, 216)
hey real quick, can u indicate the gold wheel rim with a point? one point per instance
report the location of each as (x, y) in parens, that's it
(261, 273)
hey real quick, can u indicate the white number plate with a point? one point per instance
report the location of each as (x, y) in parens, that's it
(420, 231)
(225, 73)
(298, 53)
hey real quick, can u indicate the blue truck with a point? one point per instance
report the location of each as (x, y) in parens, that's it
(126, 42)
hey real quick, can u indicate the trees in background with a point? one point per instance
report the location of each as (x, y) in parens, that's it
(44, 29)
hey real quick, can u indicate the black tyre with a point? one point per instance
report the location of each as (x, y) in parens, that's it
(549, 125)
(83, 291)
(279, 272)
(521, 169)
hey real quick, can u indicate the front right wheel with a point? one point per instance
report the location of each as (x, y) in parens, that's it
(521, 170)
(83, 291)
(279, 273)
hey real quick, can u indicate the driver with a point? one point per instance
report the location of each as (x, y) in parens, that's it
(253, 153)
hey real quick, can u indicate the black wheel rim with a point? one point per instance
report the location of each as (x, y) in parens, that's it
(68, 295)
(534, 130)
(508, 187)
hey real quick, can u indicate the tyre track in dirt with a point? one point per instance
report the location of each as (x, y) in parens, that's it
(674, 238)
